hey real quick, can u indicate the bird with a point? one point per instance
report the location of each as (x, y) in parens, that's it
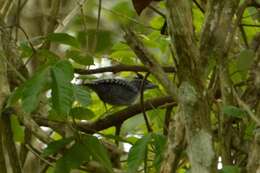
(120, 91)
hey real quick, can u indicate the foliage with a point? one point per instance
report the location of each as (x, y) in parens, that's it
(81, 126)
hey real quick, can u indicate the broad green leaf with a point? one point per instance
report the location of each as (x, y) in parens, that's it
(15, 96)
(121, 54)
(26, 50)
(62, 90)
(159, 146)
(63, 38)
(82, 95)
(102, 38)
(230, 169)
(56, 146)
(125, 10)
(53, 115)
(32, 89)
(82, 113)
(72, 158)
(98, 152)
(244, 61)
(17, 129)
(233, 111)
(137, 154)
(80, 58)
(120, 46)
(157, 22)
(47, 54)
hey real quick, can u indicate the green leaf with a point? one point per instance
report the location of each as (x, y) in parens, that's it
(26, 50)
(32, 89)
(44, 54)
(244, 61)
(97, 151)
(72, 158)
(159, 146)
(233, 111)
(17, 129)
(56, 146)
(53, 115)
(82, 95)
(102, 38)
(62, 90)
(80, 58)
(63, 38)
(137, 154)
(15, 96)
(230, 169)
(82, 113)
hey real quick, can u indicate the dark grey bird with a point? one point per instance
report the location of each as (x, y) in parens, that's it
(116, 91)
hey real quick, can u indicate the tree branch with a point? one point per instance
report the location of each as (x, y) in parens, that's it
(112, 119)
(10, 144)
(150, 62)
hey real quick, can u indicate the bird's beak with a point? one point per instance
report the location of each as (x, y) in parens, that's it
(151, 86)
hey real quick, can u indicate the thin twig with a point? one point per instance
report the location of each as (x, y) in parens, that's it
(149, 128)
(94, 46)
(38, 155)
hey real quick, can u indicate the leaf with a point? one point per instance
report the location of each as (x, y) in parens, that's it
(137, 154)
(56, 146)
(140, 5)
(82, 113)
(62, 90)
(15, 96)
(82, 95)
(159, 146)
(72, 158)
(26, 50)
(53, 115)
(233, 111)
(244, 61)
(32, 89)
(103, 39)
(49, 55)
(79, 58)
(63, 38)
(17, 129)
(230, 169)
(98, 151)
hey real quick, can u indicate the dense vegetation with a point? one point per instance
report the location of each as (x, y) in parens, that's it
(204, 55)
